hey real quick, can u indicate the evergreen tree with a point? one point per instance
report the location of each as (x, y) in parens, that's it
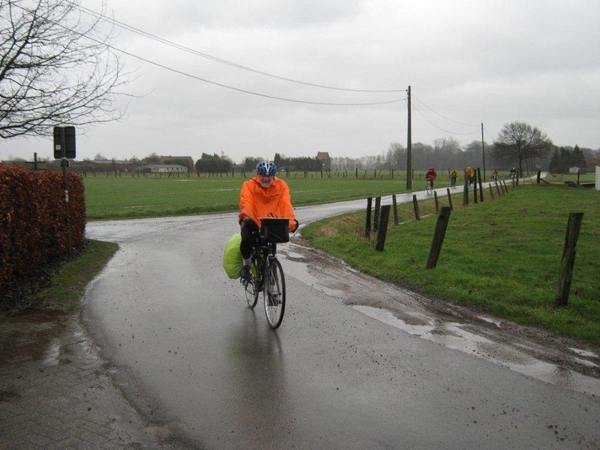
(578, 158)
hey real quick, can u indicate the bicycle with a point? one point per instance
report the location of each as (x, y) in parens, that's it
(429, 187)
(266, 270)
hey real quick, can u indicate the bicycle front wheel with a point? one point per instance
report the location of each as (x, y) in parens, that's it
(274, 293)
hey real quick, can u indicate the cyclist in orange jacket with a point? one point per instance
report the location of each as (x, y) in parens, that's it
(470, 176)
(265, 195)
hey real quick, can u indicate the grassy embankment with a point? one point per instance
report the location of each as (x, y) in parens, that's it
(501, 256)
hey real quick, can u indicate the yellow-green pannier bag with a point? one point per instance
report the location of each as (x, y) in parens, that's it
(232, 258)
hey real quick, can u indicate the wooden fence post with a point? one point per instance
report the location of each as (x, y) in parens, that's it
(568, 259)
(377, 213)
(395, 206)
(368, 224)
(475, 180)
(466, 195)
(383, 225)
(438, 237)
(416, 206)
(480, 184)
(449, 198)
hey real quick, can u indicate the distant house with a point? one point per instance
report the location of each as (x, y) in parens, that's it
(323, 156)
(108, 165)
(163, 168)
(593, 162)
(325, 160)
(187, 161)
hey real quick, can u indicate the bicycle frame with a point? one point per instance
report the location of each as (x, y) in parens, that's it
(269, 279)
(429, 186)
(263, 252)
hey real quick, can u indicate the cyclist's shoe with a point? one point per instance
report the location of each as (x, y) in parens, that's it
(246, 274)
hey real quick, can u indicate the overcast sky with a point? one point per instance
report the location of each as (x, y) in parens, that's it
(468, 62)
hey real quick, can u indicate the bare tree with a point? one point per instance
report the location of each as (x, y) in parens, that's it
(445, 152)
(518, 142)
(56, 67)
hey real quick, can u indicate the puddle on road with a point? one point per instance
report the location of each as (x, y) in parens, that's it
(455, 337)
(302, 272)
(32, 336)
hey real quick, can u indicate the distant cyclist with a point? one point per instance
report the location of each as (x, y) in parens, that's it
(265, 195)
(431, 175)
(453, 178)
(470, 176)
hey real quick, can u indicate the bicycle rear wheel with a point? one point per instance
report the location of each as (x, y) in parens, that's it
(251, 287)
(274, 293)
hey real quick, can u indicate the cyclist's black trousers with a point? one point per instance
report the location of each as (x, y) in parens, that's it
(249, 231)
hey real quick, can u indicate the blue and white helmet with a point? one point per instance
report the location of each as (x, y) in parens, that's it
(266, 168)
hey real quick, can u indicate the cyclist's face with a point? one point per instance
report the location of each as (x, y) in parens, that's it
(265, 180)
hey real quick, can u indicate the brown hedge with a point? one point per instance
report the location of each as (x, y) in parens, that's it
(34, 217)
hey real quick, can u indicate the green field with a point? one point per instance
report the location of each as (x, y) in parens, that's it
(121, 197)
(129, 197)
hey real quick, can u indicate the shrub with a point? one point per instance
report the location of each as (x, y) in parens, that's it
(35, 220)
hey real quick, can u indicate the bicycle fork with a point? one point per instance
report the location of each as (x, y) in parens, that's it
(271, 282)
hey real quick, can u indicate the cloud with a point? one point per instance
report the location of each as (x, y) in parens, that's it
(468, 62)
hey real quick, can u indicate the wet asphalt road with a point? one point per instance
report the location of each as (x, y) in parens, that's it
(199, 364)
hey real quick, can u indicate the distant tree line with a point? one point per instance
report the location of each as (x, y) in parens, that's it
(518, 145)
(301, 164)
(563, 159)
(213, 164)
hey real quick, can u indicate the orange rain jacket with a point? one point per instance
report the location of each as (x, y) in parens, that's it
(274, 201)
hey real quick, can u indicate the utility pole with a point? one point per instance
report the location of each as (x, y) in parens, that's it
(409, 148)
(483, 150)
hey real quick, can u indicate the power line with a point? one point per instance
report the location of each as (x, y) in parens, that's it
(214, 82)
(180, 72)
(447, 118)
(223, 61)
(485, 131)
(442, 129)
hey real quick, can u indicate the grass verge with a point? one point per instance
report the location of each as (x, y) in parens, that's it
(68, 285)
(501, 256)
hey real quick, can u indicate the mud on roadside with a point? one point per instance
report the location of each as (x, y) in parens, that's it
(530, 350)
